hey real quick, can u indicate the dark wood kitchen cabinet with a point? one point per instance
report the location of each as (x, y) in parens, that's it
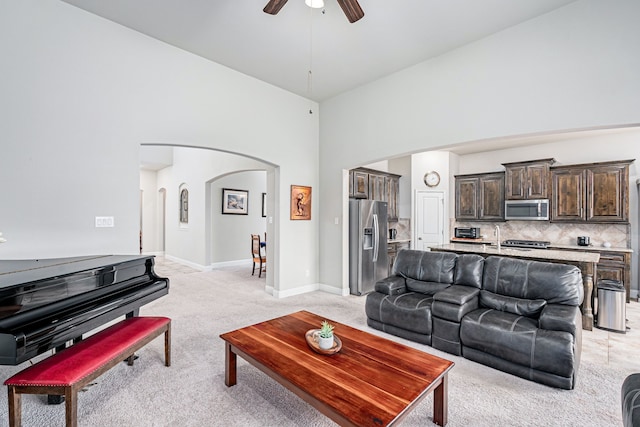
(595, 192)
(527, 180)
(392, 184)
(615, 266)
(376, 185)
(377, 188)
(480, 197)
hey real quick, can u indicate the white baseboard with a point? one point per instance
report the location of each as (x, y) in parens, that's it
(333, 290)
(236, 263)
(296, 291)
(186, 262)
(305, 289)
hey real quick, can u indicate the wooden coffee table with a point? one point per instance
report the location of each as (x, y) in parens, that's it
(372, 381)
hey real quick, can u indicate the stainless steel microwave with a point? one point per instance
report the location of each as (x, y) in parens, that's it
(527, 210)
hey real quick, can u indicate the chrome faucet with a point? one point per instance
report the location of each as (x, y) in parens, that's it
(497, 233)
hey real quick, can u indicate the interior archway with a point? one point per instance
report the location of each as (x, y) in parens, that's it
(200, 168)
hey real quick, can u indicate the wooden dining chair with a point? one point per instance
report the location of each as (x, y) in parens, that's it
(257, 254)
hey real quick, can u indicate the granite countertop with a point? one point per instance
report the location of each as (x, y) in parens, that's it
(550, 254)
(398, 240)
(590, 248)
(551, 245)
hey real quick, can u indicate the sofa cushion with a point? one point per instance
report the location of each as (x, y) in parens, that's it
(427, 288)
(555, 283)
(517, 339)
(519, 306)
(410, 311)
(425, 266)
(468, 271)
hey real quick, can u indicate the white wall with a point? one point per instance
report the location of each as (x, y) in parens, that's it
(573, 68)
(79, 96)
(231, 233)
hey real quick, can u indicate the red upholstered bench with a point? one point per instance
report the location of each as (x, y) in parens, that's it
(68, 371)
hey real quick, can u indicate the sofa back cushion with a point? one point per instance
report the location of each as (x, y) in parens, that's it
(425, 271)
(469, 268)
(533, 280)
(519, 306)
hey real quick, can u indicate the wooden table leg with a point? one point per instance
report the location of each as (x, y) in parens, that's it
(440, 402)
(230, 361)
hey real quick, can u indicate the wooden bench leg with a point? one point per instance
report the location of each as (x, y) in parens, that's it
(167, 346)
(15, 408)
(71, 410)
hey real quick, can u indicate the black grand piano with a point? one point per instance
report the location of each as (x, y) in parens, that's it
(46, 303)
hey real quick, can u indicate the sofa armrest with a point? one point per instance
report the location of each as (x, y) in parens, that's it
(454, 302)
(392, 285)
(558, 317)
(457, 294)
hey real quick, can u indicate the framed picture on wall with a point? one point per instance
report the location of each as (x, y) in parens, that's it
(235, 202)
(300, 202)
(264, 205)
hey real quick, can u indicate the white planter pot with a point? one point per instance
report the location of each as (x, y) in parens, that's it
(325, 343)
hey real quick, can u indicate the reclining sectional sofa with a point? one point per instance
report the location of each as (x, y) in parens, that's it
(518, 316)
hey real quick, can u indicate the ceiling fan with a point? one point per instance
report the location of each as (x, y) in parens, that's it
(351, 8)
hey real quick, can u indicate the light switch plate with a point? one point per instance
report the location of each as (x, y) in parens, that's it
(104, 221)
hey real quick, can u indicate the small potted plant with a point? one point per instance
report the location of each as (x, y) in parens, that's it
(325, 336)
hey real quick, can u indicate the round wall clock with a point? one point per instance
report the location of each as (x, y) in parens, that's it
(432, 178)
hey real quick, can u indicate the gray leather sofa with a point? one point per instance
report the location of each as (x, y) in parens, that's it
(631, 401)
(519, 316)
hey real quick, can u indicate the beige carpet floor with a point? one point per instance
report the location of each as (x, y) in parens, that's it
(192, 392)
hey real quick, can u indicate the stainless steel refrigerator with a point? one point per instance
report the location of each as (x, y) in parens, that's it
(368, 260)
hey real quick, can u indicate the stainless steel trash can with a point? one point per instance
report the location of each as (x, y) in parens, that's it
(611, 314)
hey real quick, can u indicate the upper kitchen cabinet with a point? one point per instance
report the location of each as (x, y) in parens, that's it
(527, 180)
(358, 184)
(377, 188)
(392, 183)
(376, 185)
(480, 197)
(595, 192)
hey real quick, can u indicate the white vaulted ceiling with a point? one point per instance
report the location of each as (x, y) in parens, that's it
(281, 49)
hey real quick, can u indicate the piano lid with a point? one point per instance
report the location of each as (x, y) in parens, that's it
(19, 272)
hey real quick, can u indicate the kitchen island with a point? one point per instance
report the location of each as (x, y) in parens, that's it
(585, 261)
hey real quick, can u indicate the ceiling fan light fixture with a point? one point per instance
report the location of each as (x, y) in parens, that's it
(316, 4)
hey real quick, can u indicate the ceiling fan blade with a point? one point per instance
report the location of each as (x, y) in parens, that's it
(352, 9)
(274, 6)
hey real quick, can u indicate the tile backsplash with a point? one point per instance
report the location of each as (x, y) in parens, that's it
(403, 228)
(619, 235)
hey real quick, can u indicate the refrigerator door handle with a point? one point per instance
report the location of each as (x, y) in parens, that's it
(376, 233)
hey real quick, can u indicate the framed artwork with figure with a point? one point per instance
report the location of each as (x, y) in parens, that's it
(235, 202)
(300, 202)
(264, 205)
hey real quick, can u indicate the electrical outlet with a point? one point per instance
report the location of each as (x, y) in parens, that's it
(104, 221)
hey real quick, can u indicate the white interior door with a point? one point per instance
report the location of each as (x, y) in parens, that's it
(429, 220)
